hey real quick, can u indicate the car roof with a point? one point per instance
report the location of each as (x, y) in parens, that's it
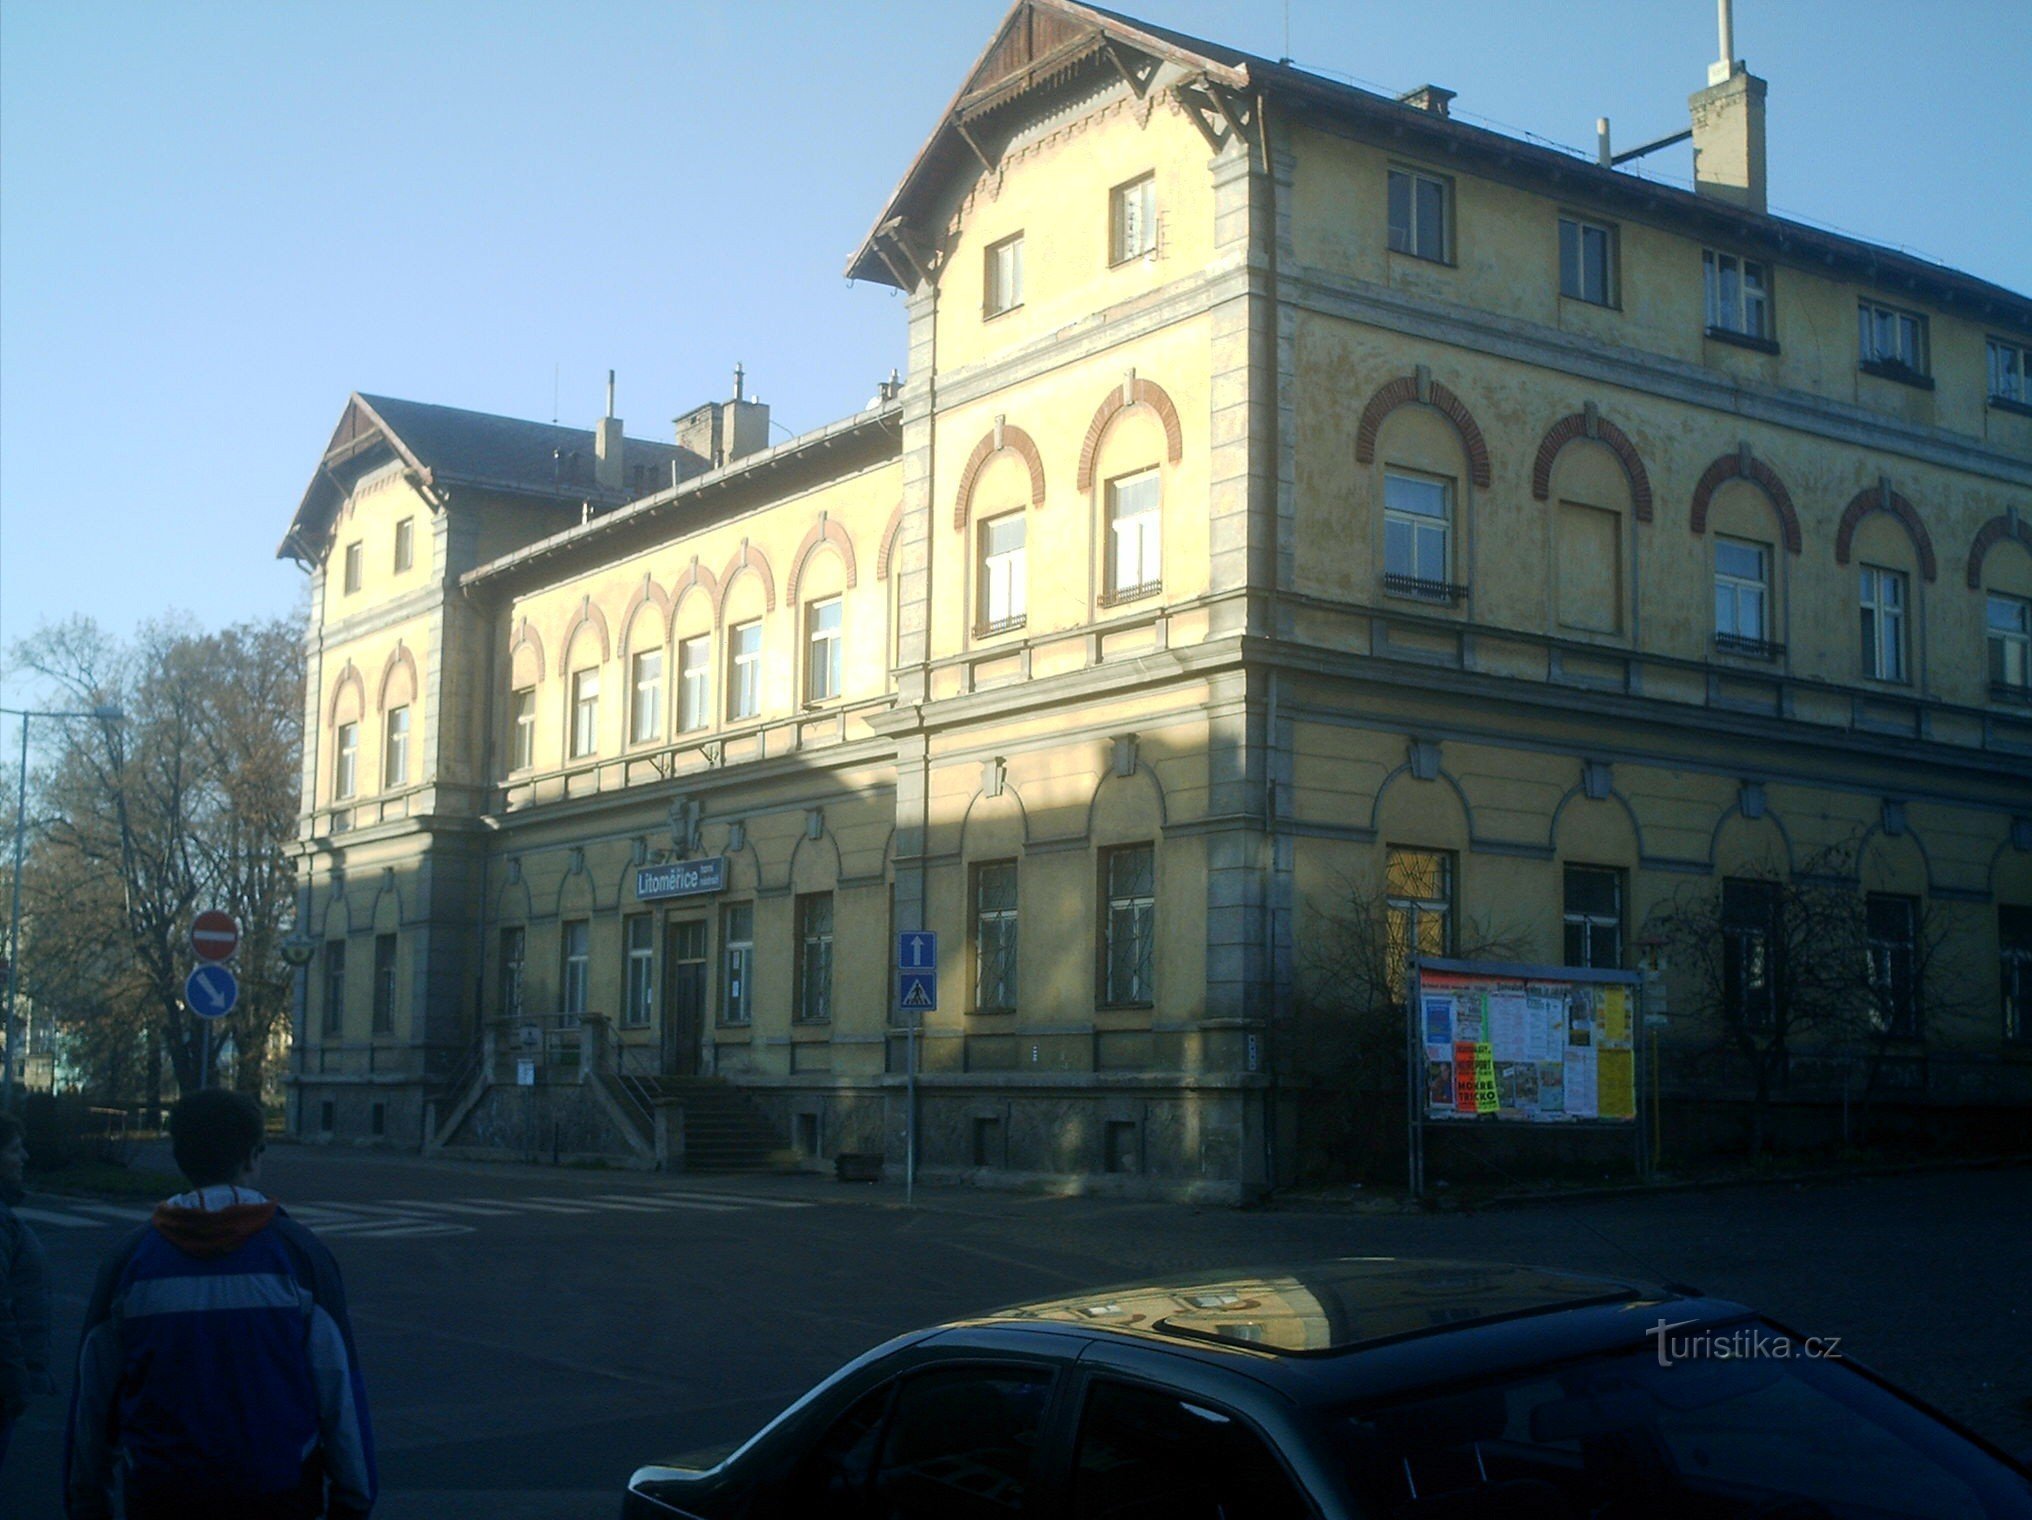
(1354, 1326)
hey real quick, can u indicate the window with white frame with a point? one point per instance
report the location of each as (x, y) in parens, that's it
(576, 964)
(2010, 366)
(346, 766)
(1418, 907)
(1593, 917)
(1417, 532)
(1882, 599)
(646, 698)
(395, 748)
(995, 937)
(405, 544)
(695, 683)
(1418, 215)
(1587, 259)
(522, 728)
(335, 987)
(1892, 928)
(1002, 280)
(744, 670)
(1738, 295)
(1742, 596)
(822, 664)
(1135, 539)
(1004, 589)
(585, 711)
(1132, 217)
(384, 984)
(353, 563)
(640, 939)
(1129, 928)
(737, 962)
(1888, 338)
(2010, 637)
(814, 958)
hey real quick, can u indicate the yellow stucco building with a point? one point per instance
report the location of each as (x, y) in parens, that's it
(1290, 487)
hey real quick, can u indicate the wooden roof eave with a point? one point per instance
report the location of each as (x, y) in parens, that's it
(326, 492)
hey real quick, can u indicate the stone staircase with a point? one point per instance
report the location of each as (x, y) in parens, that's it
(723, 1131)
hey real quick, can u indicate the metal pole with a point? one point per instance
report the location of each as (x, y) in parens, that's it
(205, 1061)
(14, 932)
(910, 1110)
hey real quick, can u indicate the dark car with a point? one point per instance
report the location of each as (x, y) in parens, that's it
(1358, 1387)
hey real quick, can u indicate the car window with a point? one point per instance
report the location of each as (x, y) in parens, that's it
(832, 1479)
(1145, 1455)
(1725, 1433)
(959, 1444)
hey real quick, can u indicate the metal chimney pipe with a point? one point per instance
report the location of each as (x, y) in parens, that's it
(610, 376)
(1602, 154)
(1726, 15)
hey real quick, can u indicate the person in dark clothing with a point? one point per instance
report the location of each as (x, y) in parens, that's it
(217, 1375)
(24, 1293)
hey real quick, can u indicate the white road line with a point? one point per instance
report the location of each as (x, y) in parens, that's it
(664, 1201)
(607, 1205)
(399, 1230)
(742, 1199)
(50, 1216)
(523, 1204)
(450, 1208)
(141, 1216)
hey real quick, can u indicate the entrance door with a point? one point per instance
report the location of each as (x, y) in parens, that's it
(684, 994)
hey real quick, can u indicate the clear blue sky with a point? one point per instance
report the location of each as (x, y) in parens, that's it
(221, 218)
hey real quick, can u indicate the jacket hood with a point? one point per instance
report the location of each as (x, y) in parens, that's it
(209, 1233)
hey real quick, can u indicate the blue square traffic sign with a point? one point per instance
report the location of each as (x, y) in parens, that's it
(917, 991)
(917, 950)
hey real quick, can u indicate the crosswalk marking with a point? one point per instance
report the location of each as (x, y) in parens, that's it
(141, 1216)
(746, 1203)
(666, 1201)
(451, 1208)
(555, 1208)
(50, 1216)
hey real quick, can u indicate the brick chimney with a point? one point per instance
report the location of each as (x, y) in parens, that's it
(609, 474)
(722, 431)
(1728, 126)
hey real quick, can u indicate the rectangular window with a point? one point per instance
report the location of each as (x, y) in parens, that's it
(639, 937)
(1891, 339)
(346, 765)
(694, 683)
(405, 544)
(1135, 549)
(1003, 281)
(1587, 255)
(2010, 630)
(1742, 597)
(1417, 907)
(1738, 295)
(576, 964)
(646, 714)
(995, 937)
(2014, 949)
(1004, 587)
(395, 749)
(335, 986)
(585, 711)
(1750, 947)
(522, 734)
(1132, 215)
(1893, 928)
(1417, 534)
(353, 563)
(1594, 917)
(384, 984)
(1129, 926)
(822, 650)
(514, 947)
(815, 958)
(1418, 215)
(744, 670)
(2010, 372)
(1883, 623)
(737, 962)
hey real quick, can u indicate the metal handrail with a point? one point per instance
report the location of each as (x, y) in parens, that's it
(635, 1075)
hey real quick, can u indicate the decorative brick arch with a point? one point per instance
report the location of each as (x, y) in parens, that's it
(349, 675)
(891, 532)
(1130, 393)
(525, 633)
(747, 557)
(1742, 465)
(1405, 392)
(1592, 425)
(647, 594)
(822, 533)
(1002, 437)
(587, 614)
(698, 578)
(1881, 498)
(398, 659)
(2009, 528)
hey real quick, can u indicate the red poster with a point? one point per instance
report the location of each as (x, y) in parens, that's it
(1464, 1076)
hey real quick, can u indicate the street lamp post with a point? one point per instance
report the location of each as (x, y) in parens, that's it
(105, 714)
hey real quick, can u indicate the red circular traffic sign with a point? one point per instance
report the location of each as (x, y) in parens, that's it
(214, 936)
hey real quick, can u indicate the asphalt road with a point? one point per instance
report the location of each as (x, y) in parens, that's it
(531, 1335)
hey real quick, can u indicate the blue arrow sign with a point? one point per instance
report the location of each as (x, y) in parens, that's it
(917, 991)
(917, 950)
(211, 992)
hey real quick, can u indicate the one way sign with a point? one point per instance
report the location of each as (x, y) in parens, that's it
(917, 950)
(917, 971)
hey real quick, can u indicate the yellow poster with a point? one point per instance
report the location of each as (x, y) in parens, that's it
(1615, 1084)
(1485, 1078)
(1616, 1015)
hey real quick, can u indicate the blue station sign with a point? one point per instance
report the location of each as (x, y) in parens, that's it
(682, 878)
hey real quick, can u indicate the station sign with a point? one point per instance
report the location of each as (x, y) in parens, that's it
(681, 878)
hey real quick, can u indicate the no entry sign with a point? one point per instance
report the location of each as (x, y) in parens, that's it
(214, 936)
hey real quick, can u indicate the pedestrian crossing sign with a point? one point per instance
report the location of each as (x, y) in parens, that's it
(917, 992)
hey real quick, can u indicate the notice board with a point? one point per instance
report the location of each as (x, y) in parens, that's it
(1527, 1044)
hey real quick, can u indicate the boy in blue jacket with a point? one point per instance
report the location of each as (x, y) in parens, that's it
(217, 1375)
